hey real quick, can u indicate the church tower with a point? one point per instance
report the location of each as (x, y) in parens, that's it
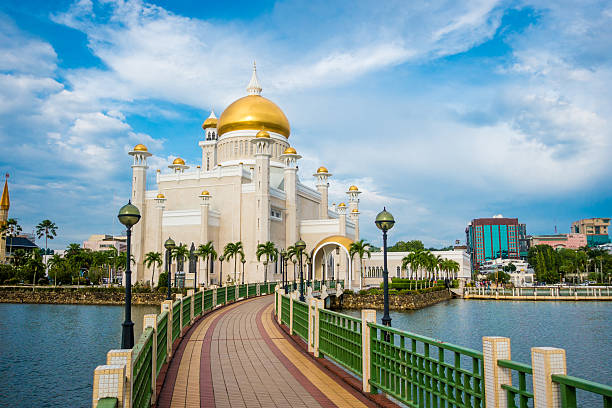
(139, 185)
(5, 204)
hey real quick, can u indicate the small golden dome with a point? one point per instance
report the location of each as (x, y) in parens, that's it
(290, 150)
(252, 112)
(263, 133)
(322, 169)
(209, 123)
(140, 148)
(353, 188)
(160, 195)
(342, 205)
(355, 210)
(178, 160)
(205, 193)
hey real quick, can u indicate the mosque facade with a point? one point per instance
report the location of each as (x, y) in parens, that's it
(247, 189)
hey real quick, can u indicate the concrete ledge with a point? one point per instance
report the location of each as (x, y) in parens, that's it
(539, 297)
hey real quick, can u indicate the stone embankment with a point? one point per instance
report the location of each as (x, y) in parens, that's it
(72, 296)
(396, 301)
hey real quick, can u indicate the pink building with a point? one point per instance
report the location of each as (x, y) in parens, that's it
(102, 242)
(569, 241)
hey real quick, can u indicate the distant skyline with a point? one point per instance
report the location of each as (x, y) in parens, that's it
(444, 111)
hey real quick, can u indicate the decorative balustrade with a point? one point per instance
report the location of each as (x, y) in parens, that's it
(541, 292)
(423, 372)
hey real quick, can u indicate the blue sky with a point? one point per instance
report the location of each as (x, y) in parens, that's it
(442, 111)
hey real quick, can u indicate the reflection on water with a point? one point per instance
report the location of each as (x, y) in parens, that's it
(48, 352)
(583, 329)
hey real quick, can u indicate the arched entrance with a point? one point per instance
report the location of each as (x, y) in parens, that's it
(330, 258)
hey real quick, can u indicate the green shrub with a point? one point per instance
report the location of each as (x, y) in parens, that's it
(349, 292)
(12, 281)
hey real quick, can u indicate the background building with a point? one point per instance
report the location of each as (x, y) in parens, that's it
(595, 229)
(491, 238)
(569, 241)
(103, 242)
(522, 276)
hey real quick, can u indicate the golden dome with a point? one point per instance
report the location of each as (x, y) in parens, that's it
(322, 169)
(178, 160)
(254, 112)
(263, 133)
(342, 205)
(355, 210)
(290, 150)
(205, 193)
(353, 188)
(160, 195)
(209, 123)
(140, 148)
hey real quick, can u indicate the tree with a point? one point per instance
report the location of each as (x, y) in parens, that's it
(47, 229)
(270, 252)
(179, 253)
(153, 259)
(410, 246)
(33, 265)
(232, 250)
(207, 251)
(11, 229)
(362, 249)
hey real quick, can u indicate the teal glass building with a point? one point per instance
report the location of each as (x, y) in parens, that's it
(492, 238)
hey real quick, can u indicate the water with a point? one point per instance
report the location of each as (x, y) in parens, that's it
(48, 353)
(583, 329)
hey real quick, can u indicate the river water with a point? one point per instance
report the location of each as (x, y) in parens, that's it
(583, 329)
(48, 352)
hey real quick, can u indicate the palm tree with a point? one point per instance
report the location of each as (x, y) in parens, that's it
(153, 259)
(46, 229)
(206, 251)
(232, 250)
(11, 229)
(55, 260)
(414, 260)
(271, 253)
(179, 253)
(362, 249)
(36, 265)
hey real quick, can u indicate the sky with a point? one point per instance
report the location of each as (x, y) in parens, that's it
(442, 111)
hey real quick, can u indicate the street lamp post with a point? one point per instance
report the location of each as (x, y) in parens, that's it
(301, 246)
(221, 259)
(243, 262)
(169, 245)
(128, 216)
(384, 222)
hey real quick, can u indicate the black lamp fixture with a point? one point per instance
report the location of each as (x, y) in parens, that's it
(301, 246)
(128, 216)
(169, 245)
(385, 221)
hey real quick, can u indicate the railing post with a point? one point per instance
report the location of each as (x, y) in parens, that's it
(279, 309)
(225, 302)
(291, 315)
(191, 292)
(202, 309)
(109, 382)
(123, 357)
(546, 361)
(258, 290)
(214, 298)
(180, 297)
(496, 348)
(318, 305)
(150, 320)
(311, 323)
(367, 315)
(167, 307)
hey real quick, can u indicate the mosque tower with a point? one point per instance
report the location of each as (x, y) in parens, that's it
(323, 186)
(139, 185)
(290, 158)
(353, 193)
(5, 204)
(209, 144)
(262, 186)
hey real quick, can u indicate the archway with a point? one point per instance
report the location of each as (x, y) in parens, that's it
(334, 248)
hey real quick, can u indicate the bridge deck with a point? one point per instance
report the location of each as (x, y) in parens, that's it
(238, 357)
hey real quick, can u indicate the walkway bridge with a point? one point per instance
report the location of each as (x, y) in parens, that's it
(540, 293)
(255, 346)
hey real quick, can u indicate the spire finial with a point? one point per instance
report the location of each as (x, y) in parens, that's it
(253, 88)
(5, 202)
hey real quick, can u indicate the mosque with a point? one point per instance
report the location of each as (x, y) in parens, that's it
(246, 189)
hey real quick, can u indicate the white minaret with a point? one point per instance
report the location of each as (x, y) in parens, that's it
(253, 88)
(262, 185)
(139, 185)
(290, 158)
(323, 186)
(353, 194)
(342, 218)
(209, 144)
(160, 206)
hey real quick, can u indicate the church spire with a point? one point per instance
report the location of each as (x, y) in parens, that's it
(254, 88)
(4, 201)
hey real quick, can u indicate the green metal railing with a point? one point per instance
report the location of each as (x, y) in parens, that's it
(208, 299)
(186, 311)
(162, 340)
(141, 370)
(340, 339)
(231, 293)
(197, 303)
(221, 296)
(420, 371)
(252, 289)
(285, 309)
(176, 319)
(300, 319)
(525, 398)
(570, 384)
(242, 291)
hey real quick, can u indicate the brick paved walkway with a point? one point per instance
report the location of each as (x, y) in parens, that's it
(238, 357)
